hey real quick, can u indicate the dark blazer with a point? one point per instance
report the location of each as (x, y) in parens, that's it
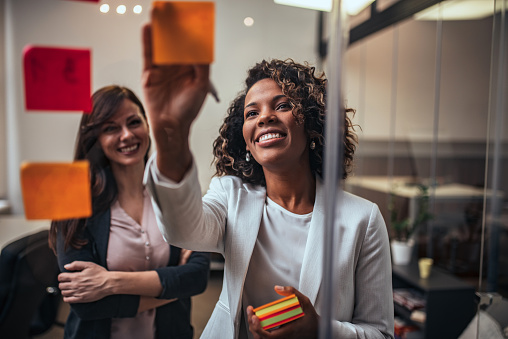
(93, 320)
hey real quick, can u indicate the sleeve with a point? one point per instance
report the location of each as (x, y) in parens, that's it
(185, 219)
(187, 280)
(114, 306)
(373, 315)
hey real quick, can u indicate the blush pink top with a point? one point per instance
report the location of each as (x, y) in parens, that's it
(135, 247)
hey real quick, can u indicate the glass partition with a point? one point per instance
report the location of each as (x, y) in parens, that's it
(430, 94)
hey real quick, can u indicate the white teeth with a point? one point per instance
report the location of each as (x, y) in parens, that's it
(129, 149)
(269, 136)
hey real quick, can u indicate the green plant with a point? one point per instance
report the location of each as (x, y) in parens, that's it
(404, 229)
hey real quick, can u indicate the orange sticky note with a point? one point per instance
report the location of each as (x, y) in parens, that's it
(183, 32)
(57, 79)
(56, 190)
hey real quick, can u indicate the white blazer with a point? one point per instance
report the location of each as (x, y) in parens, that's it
(227, 219)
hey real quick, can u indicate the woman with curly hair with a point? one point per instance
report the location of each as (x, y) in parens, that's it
(264, 209)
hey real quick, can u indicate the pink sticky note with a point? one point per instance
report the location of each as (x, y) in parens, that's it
(57, 79)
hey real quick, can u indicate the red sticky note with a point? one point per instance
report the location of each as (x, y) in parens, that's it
(57, 79)
(183, 32)
(56, 190)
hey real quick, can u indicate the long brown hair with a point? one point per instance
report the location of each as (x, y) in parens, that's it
(106, 102)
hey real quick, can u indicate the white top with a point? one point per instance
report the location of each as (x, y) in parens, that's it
(227, 220)
(277, 257)
(135, 247)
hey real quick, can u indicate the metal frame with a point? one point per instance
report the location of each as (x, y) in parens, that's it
(378, 20)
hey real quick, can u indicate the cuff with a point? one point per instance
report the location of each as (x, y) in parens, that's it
(161, 180)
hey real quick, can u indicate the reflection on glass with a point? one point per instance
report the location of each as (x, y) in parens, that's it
(431, 100)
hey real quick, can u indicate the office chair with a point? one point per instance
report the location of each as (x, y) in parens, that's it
(29, 297)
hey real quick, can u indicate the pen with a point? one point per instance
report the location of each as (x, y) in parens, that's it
(213, 91)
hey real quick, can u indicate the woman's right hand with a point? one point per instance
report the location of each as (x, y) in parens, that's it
(173, 95)
(86, 282)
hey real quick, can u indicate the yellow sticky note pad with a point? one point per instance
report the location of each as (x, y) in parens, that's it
(56, 190)
(183, 32)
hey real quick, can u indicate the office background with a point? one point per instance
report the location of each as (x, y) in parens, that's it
(408, 128)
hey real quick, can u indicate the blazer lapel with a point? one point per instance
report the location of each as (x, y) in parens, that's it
(98, 227)
(242, 246)
(312, 266)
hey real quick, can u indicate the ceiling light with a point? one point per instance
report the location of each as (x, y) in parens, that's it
(320, 5)
(137, 9)
(248, 21)
(121, 9)
(104, 8)
(353, 7)
(458, 10)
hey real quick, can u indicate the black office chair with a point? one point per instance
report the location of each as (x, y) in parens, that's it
(29, 297)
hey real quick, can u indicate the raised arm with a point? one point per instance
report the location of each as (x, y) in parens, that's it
(173, 95)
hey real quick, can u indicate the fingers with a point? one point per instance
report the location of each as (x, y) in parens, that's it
(64, 277)
(147, 46)
(202, 73)
(286, 290)
(184, 256)
(76, 266)
(254, 323)
(304, 327)
(69, 294)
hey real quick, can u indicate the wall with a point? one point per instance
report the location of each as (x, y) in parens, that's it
(278, 32)
(465, 69)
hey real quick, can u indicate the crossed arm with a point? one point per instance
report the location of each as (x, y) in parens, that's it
(88, 282)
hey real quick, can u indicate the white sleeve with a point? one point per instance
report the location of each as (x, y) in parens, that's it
(183, 219)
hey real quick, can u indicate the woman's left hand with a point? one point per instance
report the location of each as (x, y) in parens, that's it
(184, 256)
(304, 327)
(88, 282)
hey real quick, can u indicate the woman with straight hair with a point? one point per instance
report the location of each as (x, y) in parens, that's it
(121, 278)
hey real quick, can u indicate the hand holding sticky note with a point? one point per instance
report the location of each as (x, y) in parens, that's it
(279, 312)
(183, 32)
(56, 191)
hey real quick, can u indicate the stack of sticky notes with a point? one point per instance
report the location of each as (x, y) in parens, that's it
(279, 312)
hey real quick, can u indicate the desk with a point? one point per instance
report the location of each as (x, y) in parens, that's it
(405, 187)
(450, 302)
(15, 227)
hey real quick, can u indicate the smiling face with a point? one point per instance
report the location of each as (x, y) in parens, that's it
(270, 130)
(124, 138)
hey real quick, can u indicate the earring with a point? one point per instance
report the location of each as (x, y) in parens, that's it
(247, 156)
(312, 144)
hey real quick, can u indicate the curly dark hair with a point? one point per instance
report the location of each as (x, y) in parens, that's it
(306, 92)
